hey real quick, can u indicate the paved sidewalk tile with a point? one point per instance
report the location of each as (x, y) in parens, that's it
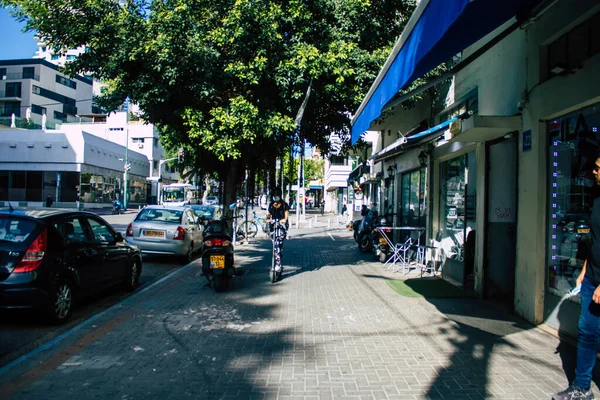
(330, 329)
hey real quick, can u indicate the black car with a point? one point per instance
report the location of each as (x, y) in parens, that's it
(49, 257)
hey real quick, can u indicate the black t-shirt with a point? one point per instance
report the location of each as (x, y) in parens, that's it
(593, 269)
(278, 213)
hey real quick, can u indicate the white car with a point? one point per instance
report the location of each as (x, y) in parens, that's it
(211, 200)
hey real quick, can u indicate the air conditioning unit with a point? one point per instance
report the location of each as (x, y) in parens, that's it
(141, 145)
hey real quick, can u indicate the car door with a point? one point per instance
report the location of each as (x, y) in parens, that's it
(198, 230)
(191, 228)
(81, 252)
(114, 252)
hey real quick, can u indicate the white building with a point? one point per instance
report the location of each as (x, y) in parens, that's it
(509, 183)
(32, 88)
(75, 168)
(139, 136)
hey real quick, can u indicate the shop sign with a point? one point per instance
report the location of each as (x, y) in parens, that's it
(527, 140)
(456, 127)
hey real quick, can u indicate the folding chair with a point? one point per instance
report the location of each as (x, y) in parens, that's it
(399, 254)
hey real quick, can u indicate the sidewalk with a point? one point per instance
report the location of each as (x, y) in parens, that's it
(331, 329)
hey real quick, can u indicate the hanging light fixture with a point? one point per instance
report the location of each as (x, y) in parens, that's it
(423, 158)
(390, 171)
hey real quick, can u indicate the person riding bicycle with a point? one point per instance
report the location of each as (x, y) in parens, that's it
(278, 210)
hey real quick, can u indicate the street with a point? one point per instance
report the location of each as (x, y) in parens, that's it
(22, 332)
(330, 329)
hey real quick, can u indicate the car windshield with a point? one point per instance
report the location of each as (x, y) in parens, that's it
(207, 212)
(173, 194)
(160, 214)
(15, 230)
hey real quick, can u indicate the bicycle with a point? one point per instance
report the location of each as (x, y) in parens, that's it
(278, 234)
(251, 226)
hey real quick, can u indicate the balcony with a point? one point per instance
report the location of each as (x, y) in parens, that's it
(15, 76)
(337, 176)
(9, 96)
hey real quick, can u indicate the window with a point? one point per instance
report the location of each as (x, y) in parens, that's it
(13, 89)
(568, 52)
(72, 230)
(44, 48)
(101, 232)
(137, 140)
(12, 107)
(413, 202)
(36, 90)
(570, 195)
(71, 57)
(60, 116)
(65, 81)
(54, 57)
(2, 73)
(115, 129)
(28, 72)
(338, 160)
(38, 109)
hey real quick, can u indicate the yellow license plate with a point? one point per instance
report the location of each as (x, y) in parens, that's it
(583, 230)
(217, 261)
(154, 233)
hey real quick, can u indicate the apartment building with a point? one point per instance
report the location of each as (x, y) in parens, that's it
(33, 88)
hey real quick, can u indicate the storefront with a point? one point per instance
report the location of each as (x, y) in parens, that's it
(573, 141)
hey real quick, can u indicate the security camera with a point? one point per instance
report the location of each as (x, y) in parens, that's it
(521, 105)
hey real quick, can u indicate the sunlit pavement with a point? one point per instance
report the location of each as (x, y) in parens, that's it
(331, 329)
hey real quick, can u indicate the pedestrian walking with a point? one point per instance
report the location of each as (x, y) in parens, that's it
(49, 200)
(323, 207)
(588, 342)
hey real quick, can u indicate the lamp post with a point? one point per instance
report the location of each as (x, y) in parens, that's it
(127, 166)
(390, 171)
(422, 158)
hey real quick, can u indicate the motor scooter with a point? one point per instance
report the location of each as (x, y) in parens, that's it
(381, 248)
(217, 254)
(363, 232)
(116, 207)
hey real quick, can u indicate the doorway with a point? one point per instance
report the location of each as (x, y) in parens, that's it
(500, 251)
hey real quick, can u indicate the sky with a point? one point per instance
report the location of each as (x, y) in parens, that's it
(13, 43)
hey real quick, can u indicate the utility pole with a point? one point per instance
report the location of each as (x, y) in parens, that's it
(127, 166)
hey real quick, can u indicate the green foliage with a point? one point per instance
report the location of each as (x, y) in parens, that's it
(225, 79)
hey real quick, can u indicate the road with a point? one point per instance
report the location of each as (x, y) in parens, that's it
(23, 331)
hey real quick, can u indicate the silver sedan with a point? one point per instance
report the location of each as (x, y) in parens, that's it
(166, 230)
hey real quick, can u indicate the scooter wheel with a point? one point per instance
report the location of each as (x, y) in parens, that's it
(220, 283)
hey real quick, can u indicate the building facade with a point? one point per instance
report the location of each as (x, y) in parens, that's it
(503, 170)
(33, 88)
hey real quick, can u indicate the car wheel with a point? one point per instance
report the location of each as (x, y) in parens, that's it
(132, 276)
(189, 256)
(61, 302)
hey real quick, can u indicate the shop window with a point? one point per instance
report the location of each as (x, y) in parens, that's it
(570, 196)
(18, 183)
(457, 217)
(34, 186)
(4, 185)
(413, 211)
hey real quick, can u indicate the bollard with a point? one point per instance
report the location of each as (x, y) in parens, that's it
(310, 223)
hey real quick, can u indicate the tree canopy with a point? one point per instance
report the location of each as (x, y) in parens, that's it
(225, 78)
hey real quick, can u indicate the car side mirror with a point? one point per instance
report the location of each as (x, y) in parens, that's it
(119, 237)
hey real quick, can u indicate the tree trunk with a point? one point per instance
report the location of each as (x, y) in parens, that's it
(231, 177)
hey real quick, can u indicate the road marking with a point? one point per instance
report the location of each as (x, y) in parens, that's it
(331, 237)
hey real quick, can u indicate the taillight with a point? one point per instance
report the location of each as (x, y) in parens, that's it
(129, 230)
(179, 233)
(386, 230)
(34, 255)
(217, 243)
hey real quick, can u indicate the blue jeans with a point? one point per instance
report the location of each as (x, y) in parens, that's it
(589, 336)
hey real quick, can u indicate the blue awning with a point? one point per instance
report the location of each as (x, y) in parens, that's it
(438, 30)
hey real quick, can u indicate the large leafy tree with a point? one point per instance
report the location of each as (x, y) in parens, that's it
(225, 78)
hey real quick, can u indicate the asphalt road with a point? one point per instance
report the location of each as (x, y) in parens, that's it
(21, 332)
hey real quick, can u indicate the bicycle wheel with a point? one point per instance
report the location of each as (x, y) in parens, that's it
(251, 227)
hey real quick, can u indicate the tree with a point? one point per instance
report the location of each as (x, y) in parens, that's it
(224, 79)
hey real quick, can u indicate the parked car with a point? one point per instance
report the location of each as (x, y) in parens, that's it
(211, 200)
(208, 212)
(50, 257)
(166, 230)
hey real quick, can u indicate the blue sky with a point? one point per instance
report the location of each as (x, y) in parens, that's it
(13, 43)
